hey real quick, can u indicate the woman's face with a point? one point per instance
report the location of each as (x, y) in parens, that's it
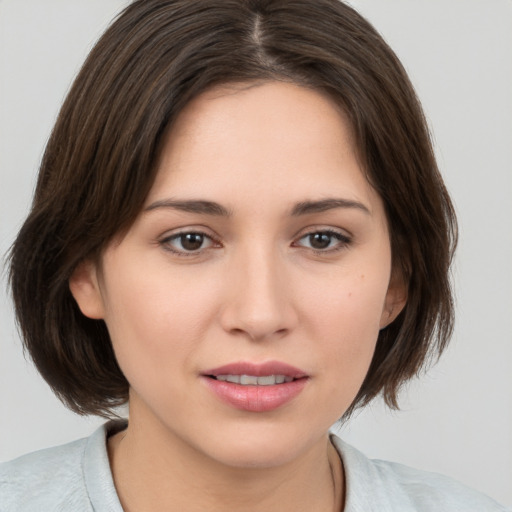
(261, 251)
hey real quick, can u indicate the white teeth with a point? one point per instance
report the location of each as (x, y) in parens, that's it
(252, 380)
(248, 380)
(268, 380)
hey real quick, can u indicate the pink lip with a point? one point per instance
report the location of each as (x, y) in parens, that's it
(256, 398)
(257, 369)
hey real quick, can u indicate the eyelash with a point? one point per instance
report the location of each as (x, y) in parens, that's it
(344, 242)
(165, 243)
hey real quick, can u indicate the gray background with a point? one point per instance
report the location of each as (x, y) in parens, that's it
(458, 418)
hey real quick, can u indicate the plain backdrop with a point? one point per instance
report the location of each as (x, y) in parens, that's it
(457, 419)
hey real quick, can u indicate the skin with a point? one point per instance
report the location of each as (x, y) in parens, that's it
(259, 289)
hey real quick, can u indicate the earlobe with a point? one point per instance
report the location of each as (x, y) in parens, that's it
(85, 289)
(396, 298)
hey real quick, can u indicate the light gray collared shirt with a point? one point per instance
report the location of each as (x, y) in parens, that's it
(76, 477)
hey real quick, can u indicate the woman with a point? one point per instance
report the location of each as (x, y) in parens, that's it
(239, 229)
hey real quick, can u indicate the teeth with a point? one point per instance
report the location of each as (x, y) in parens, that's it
(268, 380)
(252, 380)
(248, 380)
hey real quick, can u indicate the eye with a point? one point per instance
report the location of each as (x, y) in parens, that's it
(188, 243)
(324, 241)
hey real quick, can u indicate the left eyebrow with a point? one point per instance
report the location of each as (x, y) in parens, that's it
(308, 207)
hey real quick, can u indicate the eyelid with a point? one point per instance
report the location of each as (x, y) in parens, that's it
(322, 228)
(165, 240)
(343, 238)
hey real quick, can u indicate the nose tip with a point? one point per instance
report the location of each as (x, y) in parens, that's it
(260, 305)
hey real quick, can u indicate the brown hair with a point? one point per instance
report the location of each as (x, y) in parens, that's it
(100, 164)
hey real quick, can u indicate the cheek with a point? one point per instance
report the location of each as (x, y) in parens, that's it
(346, 321)
(155, 318)
(353, 301)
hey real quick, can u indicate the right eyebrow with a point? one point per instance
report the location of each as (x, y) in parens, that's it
(192, 206)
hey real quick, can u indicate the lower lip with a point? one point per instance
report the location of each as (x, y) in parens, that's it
(256, 398)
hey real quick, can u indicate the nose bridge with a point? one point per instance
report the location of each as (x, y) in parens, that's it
(259, 304)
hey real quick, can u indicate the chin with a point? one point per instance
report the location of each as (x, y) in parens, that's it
(254, 457)
(258, 448)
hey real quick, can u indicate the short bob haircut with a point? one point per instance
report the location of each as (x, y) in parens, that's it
(101, 159)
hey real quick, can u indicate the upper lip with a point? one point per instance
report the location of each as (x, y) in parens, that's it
(257, 369)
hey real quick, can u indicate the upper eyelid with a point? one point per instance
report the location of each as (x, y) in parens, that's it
(186, 230)
(174, 236)
(324, 229)
(181, 233)
(343, 239)
(300, 234)
(331, 232)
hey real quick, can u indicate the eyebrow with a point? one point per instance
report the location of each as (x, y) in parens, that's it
(308, 207)
(212, 208)
(192, 206)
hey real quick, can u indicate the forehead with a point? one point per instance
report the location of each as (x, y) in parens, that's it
(265, 142)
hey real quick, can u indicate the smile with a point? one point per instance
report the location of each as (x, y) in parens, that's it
(256, 387)
(253, 380)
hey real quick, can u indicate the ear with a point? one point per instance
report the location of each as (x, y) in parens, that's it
(85, 289)
(396, 298)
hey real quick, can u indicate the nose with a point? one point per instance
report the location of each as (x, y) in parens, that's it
(260, 302)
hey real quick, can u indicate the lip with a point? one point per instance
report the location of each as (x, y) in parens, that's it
(254, 398)
(257, 369)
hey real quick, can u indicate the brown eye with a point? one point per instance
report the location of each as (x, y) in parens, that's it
(320, 240)
(191, 241)
(324, 241)
(187, 243)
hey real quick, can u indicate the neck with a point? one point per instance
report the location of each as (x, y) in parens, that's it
(153, 470)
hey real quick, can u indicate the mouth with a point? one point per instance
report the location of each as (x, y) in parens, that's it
(256, 387)
(269, 373)
(254, 380)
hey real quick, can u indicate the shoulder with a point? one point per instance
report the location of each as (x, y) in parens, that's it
(44, 480)
(75, 477)
(432, 491)
(381, 485)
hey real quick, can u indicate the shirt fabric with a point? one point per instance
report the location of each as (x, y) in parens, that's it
(76, 477)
